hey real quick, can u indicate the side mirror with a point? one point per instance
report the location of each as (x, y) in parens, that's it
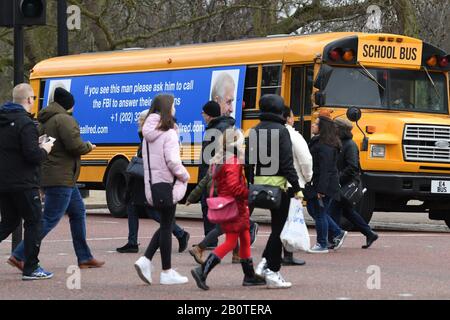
(319, 98)
(354, 114)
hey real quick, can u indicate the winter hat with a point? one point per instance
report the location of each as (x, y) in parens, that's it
(212, 109)
(64, 98)
(344, 123)
(272, 103)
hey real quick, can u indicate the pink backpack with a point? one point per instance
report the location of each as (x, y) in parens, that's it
(221, 209)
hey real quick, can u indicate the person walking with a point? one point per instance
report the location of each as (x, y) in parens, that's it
(137, 206)
(162, 162)
(349, 171)
(303, 166)
(60, 173)
(227, 174)
(20, 160)
(216, 124)
(324, 187)
(271, 138)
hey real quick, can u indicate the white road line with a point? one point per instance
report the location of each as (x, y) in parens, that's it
(405, 295)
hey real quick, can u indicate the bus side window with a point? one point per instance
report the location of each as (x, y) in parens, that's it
(251, 86)
(308, 90)
(271, 79)
(41, 95)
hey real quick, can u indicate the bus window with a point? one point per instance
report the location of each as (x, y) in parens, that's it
(308, 90)
(251, 86)
(297, 76)
(271, 79)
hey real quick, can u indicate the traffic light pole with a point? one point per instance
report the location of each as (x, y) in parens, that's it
(18, 78)
(63, 32)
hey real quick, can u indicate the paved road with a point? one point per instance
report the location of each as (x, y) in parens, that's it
(412, 265)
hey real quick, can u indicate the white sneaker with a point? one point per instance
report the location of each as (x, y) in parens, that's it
(261, 268)
(274, 280)
(144, 269)
(172, 277)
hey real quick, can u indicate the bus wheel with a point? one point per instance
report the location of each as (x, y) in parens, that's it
(116, 189)
(365, 209)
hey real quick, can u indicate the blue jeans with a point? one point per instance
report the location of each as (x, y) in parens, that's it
(134, 211)
(324, 222)
(58, 201)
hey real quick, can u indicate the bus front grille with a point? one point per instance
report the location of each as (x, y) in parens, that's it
(427, 143)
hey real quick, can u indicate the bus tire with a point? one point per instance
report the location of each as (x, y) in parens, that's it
(365, 209)
(116, 189)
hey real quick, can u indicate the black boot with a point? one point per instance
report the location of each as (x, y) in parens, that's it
(250, 278)
(289, 260)
(371, 238)
(201, 273)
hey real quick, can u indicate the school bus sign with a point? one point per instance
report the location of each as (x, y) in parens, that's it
(394, 52)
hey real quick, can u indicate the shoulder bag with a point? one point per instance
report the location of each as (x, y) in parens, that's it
(135, 168)
(221, 209)
(162, 192)
(352, 192)
(264, 196)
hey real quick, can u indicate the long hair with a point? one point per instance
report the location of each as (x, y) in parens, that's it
(328, 132)
(162, 104)
(231, 142)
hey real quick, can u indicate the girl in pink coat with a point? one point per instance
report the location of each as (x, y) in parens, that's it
(161, 148)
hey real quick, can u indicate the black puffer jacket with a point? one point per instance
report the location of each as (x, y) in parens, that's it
(221, 124)
(272, 119)
(348, 159)
(20, 154)
(325, 178)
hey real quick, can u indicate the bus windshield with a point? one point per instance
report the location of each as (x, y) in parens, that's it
(386, 89)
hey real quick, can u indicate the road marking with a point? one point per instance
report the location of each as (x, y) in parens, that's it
(405, 295)
(343, 298)
(62, 254)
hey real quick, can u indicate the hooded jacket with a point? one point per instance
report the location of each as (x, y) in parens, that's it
(62, 168)
(163, 148)
(348, 159)
(221, 124)
(20, 154)
(260, 136)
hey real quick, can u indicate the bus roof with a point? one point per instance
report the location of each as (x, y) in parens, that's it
(288, 49)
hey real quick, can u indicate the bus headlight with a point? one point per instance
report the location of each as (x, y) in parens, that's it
(378, 151)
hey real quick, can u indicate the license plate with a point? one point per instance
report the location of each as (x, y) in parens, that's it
(440, 186)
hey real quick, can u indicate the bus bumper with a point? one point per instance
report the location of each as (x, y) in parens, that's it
(408, 185)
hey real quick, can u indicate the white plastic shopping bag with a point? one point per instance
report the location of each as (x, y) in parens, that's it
(295, 236)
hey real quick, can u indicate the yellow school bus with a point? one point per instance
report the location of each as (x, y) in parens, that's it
(399, 83)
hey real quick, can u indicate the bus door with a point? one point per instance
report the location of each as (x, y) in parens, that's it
(302, 78)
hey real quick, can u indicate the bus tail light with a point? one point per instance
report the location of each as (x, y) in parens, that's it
(432, 61)
(335, 54)
(443, 62)
(348, 55)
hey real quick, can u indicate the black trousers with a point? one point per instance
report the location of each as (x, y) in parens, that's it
(207, 225)
(25, 205)
(162, 238)
(274, 247)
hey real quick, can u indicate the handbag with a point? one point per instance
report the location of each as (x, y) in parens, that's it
(352, 192)
(264, 196)
(135, 168)
(162, 192)
(221, 209)
(295, 236)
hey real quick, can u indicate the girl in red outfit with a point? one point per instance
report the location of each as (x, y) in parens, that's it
(229, 178)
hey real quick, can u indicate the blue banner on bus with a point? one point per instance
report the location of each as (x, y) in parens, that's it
(107, 107)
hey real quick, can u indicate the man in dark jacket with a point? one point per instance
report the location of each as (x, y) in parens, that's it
(216, 125)
(271, 134)
(60, 174)
(20, 159)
